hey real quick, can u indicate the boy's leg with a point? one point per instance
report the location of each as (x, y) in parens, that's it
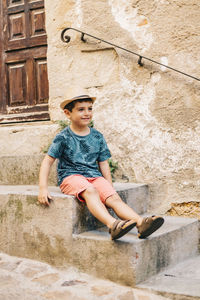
(110, 198)
(146, 226)
(80, 187)
(117, 228)
(84, 190)
(122, 210)
(96, 207)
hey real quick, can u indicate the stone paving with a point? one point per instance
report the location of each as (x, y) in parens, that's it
(25, 279)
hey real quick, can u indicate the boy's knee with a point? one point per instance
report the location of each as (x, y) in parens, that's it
(90, 191)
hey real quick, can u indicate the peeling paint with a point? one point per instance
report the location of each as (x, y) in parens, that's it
(79, 14)
(128, 19)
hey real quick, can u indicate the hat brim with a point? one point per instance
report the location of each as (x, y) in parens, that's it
(82, 97)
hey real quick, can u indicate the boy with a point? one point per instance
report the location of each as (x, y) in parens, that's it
(83, 171)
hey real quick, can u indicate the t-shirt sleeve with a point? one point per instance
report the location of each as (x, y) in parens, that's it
(56, 148)
(104, 152)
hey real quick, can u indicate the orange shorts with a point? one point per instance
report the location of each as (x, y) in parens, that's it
(76, 184)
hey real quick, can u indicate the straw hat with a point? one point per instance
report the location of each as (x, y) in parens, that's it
(76, 94)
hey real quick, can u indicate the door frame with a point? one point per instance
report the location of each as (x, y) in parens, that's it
(2, 66)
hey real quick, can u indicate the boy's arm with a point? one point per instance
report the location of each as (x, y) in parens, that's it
(43, 179)
(105, 170)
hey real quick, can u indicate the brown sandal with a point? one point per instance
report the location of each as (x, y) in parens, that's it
(120, 228)
(149, 225)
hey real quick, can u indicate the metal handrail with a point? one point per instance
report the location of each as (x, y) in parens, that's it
(67, 38)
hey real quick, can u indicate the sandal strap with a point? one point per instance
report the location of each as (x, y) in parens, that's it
(114, 226)
(149, 225)
(116, 223)
(145, 222)
(120, 228)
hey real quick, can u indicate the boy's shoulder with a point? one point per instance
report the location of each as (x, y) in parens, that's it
(62, 135)
(64, 132)
(96, 133)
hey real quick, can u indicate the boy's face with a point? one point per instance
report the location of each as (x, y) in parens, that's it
(81, 114)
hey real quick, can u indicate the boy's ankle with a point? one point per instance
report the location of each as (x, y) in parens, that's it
(139, 222)
(110, 224)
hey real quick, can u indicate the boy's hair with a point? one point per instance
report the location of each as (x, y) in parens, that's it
(72, 104)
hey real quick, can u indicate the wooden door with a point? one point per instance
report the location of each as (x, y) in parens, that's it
(23, 67)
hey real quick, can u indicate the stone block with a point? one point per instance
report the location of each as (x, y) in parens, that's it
(31, 230)
(22, 150)
(55, 235)
(26, 138)
(131, 260)
(23, 169)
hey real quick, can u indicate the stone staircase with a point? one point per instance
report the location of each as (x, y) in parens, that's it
(67, 234)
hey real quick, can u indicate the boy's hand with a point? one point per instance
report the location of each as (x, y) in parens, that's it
(44, 197)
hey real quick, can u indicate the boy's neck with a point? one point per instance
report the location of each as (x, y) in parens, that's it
(80, 130)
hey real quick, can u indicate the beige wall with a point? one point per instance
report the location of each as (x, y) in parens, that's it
(149, 115)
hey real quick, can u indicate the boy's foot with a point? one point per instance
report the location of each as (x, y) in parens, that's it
(149, 225)
(120, 228)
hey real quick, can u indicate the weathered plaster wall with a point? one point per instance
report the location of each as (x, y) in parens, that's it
(149, 115)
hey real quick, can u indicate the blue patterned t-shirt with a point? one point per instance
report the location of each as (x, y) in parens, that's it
(78, 154)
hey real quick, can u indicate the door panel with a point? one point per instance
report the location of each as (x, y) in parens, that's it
(42, 81)
(14, 2)
(25, 24)
(37, 22)
(23, 48)
(16, 25)
(16, 78)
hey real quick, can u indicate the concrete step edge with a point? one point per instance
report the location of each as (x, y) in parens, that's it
(142, 258)
(131, 237)
(180, 282)
(120, 186)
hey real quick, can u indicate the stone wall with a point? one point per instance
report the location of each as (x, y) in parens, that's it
(149, 115)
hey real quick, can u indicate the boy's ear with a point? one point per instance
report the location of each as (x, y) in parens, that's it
(67, 113)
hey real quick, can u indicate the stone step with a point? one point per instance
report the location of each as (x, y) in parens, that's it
(55, 235)
(181, 282)
(134, 194)
(130, 260)
(23, 170)
(26, 138)
(26, 225)
(22, 149)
